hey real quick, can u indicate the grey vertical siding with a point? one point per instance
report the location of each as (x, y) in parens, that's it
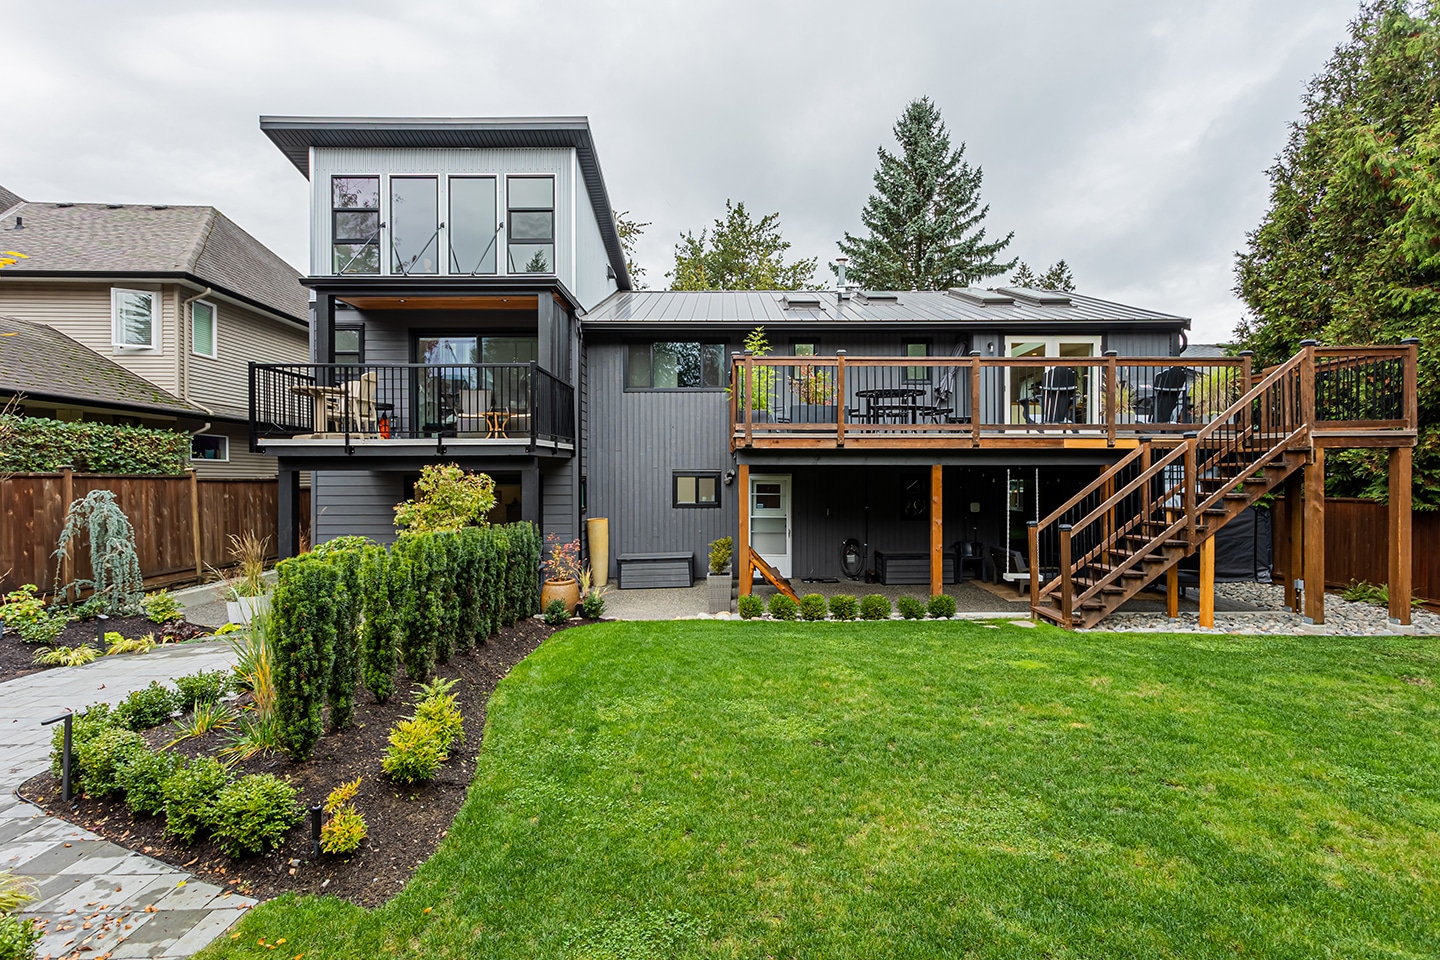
(360, 502)
(1141, 344)
(558, 508)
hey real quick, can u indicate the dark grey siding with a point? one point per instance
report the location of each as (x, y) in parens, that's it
(558, 501)
(359, 502)
(1142, 344)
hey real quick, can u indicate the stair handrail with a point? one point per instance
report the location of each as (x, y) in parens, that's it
(1093, 486)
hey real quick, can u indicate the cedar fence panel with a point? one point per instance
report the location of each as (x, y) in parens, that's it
(161, 508)
(1357, 540)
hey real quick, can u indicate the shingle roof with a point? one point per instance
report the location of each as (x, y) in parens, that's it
(962, 308)
(156, 240)
(8, 199)
(41, 362)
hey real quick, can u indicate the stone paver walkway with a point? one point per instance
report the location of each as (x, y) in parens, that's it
(98, 899)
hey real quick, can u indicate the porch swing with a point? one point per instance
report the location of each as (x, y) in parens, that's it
(1017, 568)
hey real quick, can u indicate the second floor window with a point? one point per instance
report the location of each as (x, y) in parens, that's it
(473, 234)
(135, 318)
(203, 333)
(675, 366)
(355, 224)
(530, 225)
(414, 226)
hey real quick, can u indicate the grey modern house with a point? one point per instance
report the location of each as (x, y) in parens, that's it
(471, 305)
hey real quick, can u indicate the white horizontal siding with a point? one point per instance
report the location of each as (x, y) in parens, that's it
(242, 465)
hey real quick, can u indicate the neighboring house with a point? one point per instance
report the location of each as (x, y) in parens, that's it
(472, 306)
(146, 314)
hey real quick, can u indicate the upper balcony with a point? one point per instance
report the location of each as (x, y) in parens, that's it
(1351, 396)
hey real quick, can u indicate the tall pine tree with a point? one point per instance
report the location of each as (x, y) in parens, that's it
(1349, 251)
(738, 254)
(924, 219)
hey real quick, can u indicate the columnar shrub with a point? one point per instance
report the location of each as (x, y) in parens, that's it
(252, 813)
(302, 630)
(380, 628)
(189, 794)
(348, 606)
(844, 607)
(875, 606)
(782, 607)
(911, 608)
(812, 607)
(419, 608)
(751, 606)
(468, 585)
(942, 606)
(446, 557)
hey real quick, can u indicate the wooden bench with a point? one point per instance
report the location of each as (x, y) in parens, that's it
(648, 571)
(911, 568)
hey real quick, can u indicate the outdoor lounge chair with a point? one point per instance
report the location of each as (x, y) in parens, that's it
(1057, 397)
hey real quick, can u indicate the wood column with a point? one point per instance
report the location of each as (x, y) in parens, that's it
(195, 522)
(287, 540)
(1313, 551)
(1207, 582)
(742, 538)
(1172, 591)
(1401, 560)
(67, 559)
(937, 529)
(1294, 537)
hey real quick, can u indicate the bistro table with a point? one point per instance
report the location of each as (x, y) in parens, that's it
(327, 399)
(891, 404)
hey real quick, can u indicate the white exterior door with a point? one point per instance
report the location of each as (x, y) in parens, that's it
(770, 519)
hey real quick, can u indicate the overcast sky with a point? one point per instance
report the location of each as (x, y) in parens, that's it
(1129, 137)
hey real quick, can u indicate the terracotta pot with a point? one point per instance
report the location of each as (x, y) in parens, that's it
(566, 590)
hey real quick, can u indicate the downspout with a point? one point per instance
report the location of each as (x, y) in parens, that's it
(182, 369)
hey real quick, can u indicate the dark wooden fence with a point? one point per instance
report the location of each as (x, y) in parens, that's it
(1356, 540)
(182, 524)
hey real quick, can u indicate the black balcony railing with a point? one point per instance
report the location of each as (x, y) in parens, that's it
(504, 402)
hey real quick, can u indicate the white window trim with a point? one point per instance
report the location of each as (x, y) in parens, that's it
(214, 330)
(156, 313)
(1052, 350)
(217, 436)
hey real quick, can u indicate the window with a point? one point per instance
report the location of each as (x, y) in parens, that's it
(806, 348)
(530, 223)
(473, 234)
(414, 225)
(355, 224)
(135, 318)
(349, 343)
(202, 329)
(676, 366)
(206, 447)
(917, 348)
(697, 489)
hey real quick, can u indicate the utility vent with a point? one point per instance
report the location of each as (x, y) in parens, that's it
(62, 206)
(801, 301)
(161, 206)
(1040, 298)
(872, 296)
(979, 297)
(114, 206)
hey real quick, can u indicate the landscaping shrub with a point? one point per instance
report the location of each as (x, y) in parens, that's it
(592, 605)
(380, 627)
(83, 728)
(812, 607)
(142, 778)
(39, 445)
(302, 633)
(190, 793)
(750, 606)
(100, 760)
(160, 607)
(147, 707)
(875, 606)
(202, 687)
(720, 553)
(18, 937)
(67, 656)
(252, 813)
(348, 606)
(447, 498)
(345, 829)
(521, 565)
(418, 609)
(782, 607)
(117, 644)
(942, 606)
(844, 607)
(555, 613)
(24, 612)
(435, 704)
(911, 608)
(415, 751)
(447, 563)
(114, 565)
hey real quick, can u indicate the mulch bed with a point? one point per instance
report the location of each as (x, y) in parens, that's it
(17, 658)
(406, 823)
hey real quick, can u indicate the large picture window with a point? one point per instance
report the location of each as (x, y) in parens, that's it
(530, 225)
(472, 229)
(675, 366)
(135, 319)
(355, 224)
(414, 225)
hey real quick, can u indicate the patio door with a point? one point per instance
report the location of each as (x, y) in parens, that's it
(770, 519)
(1022, 384)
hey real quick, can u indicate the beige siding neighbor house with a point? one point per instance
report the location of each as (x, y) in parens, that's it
(160, 308)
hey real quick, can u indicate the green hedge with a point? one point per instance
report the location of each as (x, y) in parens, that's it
(38, 445)
(302, 622)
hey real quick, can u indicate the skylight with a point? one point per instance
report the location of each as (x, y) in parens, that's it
(983, 298)
(809, 301)
(1041, 298)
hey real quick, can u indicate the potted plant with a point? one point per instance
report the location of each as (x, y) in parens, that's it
(762, 379)
(814, 393)
(246, 593)
(718, 583)
(562, 573)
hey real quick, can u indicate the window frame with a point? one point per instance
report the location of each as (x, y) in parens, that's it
(380, 193)
(452, 265)
(347, 327)
(697, 476)
(724, 367)
(511, 210)
(214, 353)
(813, 344)
(156, 316)
(396, 261)
(929, 346)
(210, 436)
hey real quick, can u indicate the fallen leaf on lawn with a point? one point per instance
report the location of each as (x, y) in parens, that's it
(281, 940)
(427, 909)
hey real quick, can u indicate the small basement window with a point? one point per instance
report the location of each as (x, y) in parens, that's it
(204, 446)
(697, 489)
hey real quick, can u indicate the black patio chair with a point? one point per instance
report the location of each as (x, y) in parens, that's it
(1057, 397)
(1171, 398)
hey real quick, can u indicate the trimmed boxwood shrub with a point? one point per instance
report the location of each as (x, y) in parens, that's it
(751, 606)
(101, 758)
(142, 777)
(252, 813)
(147, 707)
(302, 629)
(85, 727)
(782, 607)
(942, 606)
(189, 794)
(812, 606)
(380, 584)
(875, 606)
(844, 607)
(202, 687)
(911, 608)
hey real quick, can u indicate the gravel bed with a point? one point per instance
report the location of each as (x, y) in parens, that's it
(1342, 617)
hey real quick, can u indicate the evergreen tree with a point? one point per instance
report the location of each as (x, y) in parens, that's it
(1349, 251)
(924, 219)
(1058, 277)
(739, 254)
(1024, 276)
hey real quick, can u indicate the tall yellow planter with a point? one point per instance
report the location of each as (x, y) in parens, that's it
(597, 529)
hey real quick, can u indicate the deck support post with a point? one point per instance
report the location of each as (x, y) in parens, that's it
(1294, 538)
(287, 533)
(742, 538)
(1400, 559)
(937, 529)
(1314, 548)
(1207, 582)
(1172, 591)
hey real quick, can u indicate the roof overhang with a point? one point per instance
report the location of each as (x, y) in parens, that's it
(446, 293)
(295, 136)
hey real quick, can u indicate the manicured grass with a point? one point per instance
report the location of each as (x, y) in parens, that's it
(696, 789)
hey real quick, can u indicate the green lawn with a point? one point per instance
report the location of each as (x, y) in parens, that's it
(934, 789)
